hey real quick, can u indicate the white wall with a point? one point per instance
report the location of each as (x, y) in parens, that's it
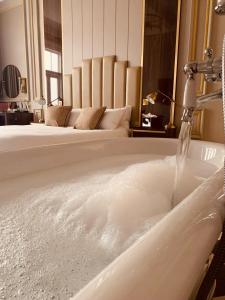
(12, 39)
(95, 28)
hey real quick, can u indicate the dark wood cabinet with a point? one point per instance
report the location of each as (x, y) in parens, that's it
(151, 132)
(15, 118)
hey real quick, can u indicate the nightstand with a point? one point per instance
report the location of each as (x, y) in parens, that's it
(153, 132)
(15, 118)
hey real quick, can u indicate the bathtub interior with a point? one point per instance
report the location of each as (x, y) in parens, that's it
(168, 261)
(97, 194)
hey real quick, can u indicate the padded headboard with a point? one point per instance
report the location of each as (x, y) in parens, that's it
(103, 81)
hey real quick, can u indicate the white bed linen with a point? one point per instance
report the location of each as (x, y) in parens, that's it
(21, 137)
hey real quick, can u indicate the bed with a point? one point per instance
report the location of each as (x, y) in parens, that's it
(15, 137)
(98, 82)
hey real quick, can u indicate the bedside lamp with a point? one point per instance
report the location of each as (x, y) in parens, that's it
(59, 99)
(151, 99)
(41, 102)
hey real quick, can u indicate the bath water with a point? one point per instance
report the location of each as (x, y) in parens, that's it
(59, 228)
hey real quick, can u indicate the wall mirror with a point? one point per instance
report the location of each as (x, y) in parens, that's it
(161, 34)
(11, 81)
(13, 59)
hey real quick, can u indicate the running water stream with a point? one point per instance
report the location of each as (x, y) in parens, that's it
(181, 157)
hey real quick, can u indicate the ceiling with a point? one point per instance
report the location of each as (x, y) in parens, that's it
(9, 4)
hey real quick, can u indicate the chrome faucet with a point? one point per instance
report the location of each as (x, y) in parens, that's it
(212, 70)
(211, 67)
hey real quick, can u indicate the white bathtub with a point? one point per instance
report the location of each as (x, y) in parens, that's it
(58, 155)
(168, 260)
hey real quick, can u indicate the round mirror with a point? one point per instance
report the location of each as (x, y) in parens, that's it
(11, 76)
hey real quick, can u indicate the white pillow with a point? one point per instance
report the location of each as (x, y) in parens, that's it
(74, 114)
(125, 122)
(117, 117)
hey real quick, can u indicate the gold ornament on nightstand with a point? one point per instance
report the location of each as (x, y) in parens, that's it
(151, 99)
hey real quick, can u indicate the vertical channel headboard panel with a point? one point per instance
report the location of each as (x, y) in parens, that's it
(120, 75)
(97, 82)
(86, 83)
(103, 81)
(76, 88)
(108, 81)
(133, 84)
(67, 89)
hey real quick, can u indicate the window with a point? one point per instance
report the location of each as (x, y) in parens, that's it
(54, 87)
(53, 76)
(53, 50)
(52, 61)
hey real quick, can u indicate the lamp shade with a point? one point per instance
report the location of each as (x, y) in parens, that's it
(152, 97)
(41, 101)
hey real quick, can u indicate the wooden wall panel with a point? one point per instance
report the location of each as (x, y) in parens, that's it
(98, 19)
(87, 29)
(77, 43)
(135, 32)
(122, 28)
(96, 28)
(67, 41)
(109, 27)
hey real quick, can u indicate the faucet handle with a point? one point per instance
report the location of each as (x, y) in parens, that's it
(208, 53)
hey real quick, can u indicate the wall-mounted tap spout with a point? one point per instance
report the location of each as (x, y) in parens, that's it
(210, 97)
(189, 101)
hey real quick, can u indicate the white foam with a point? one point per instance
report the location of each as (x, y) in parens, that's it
(56, 238)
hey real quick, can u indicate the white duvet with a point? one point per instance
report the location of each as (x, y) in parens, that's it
(21, 137)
